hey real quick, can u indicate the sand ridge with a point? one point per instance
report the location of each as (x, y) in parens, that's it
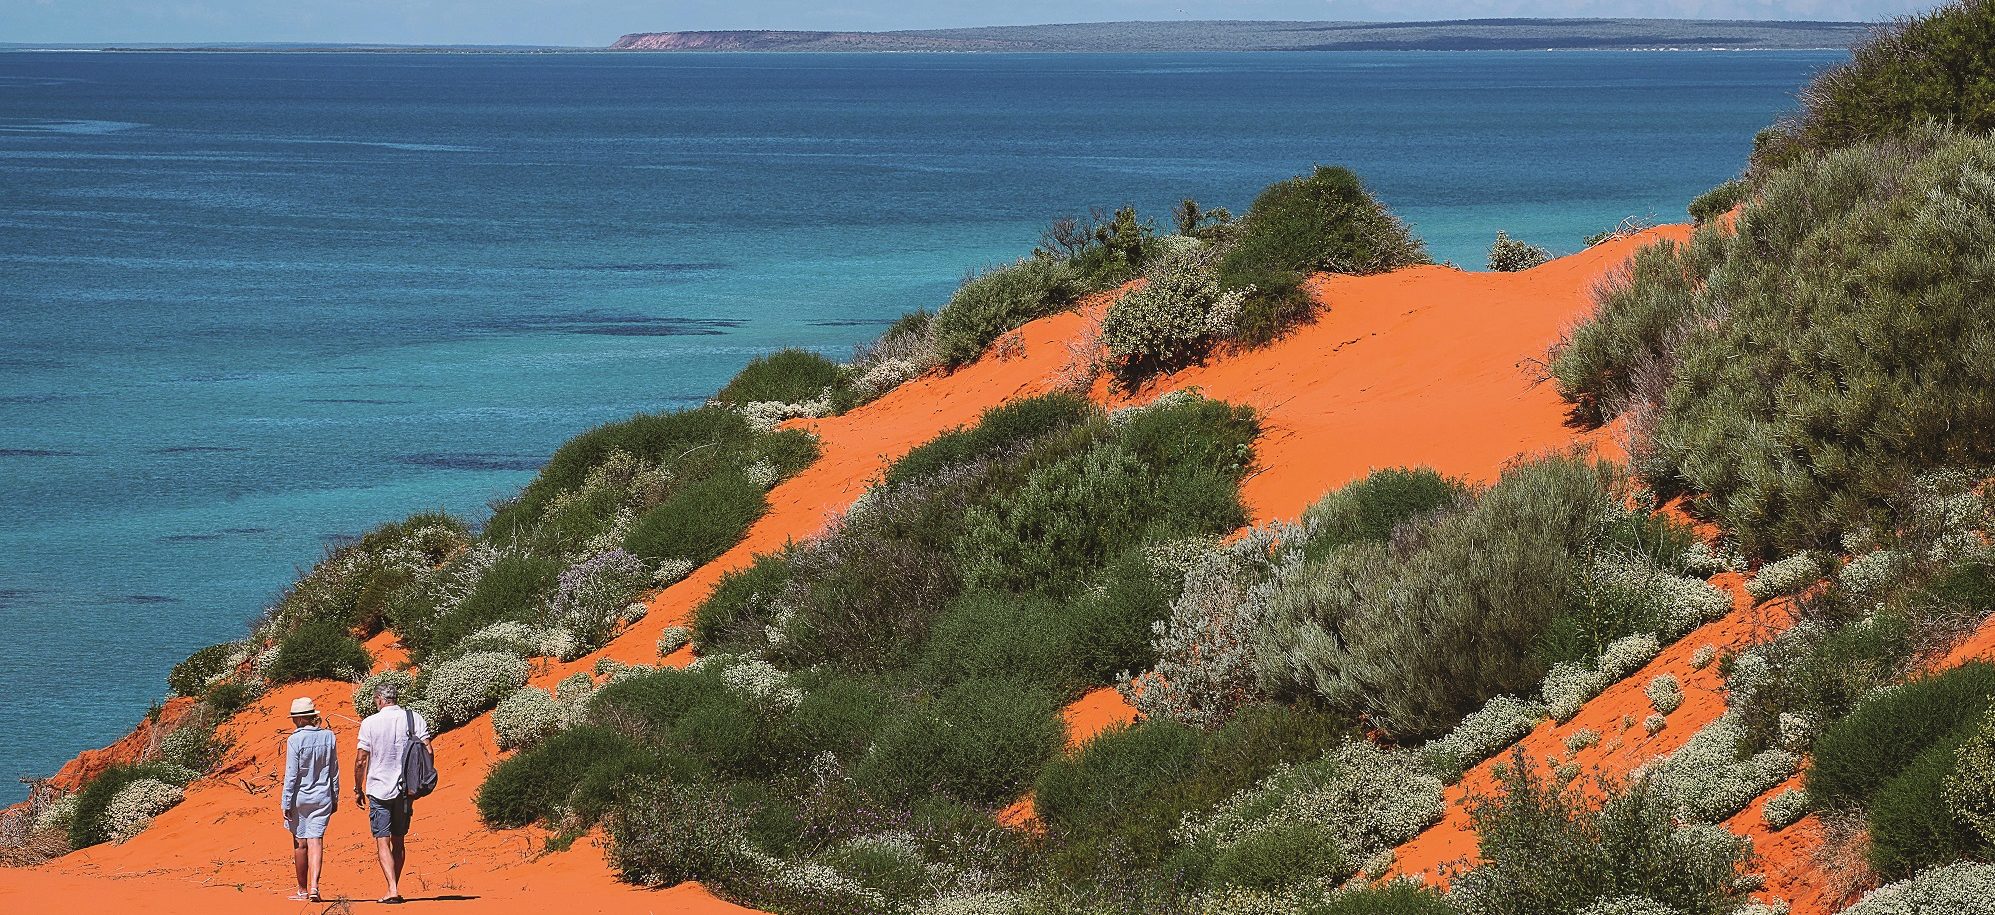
(1424, 366)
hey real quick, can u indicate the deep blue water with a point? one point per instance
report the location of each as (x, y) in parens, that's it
(252, 302)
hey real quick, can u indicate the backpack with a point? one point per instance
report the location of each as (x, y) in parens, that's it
(418, 764)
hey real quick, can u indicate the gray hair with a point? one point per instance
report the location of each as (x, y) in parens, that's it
(388, 691)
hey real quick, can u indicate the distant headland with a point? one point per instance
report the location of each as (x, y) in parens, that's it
(1456, 35)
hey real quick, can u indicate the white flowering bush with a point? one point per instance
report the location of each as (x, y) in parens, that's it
(525, 716)
(1665, 693)
(762, 473)
(1582, 739)
(1872, 573)
(1175, 316)
(1957, 889)
(766, 414)
(1654, 724)
(756, 678)
(673, 639)
(1797, 731)
(986, 902)
(1704, 559)
(1785, 809)
(1628, 905)
(885, 375)
(57, 814)
(1569, 685)
(1706, 780)
(466, 686)
(671, 570)
(1681, 602)
(1785, 576)
(1703, 657)
(131, 810)
(1501, 721)
(1508, 254)
(1368, 798)
(363, 695)
(1207, 666)
(511, 637)
(591, 596)
(1970, 788)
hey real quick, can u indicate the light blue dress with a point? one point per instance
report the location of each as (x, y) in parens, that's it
(311, 781)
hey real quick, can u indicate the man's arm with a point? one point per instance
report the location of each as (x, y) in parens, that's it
(360, 777)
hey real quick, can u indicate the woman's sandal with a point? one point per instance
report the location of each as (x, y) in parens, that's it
(301, 897)
(314, 897)
(393, 900)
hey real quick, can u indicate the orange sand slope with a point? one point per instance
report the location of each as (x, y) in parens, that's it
(1423, 366)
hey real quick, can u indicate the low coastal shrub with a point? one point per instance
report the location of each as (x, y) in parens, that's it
(593, 595)
(105, 811)
(1956, 888)
(320, 650)
(699, 521)
(194, 675)
(1910, 825)
(1508, 255)
(998, 301)
(785, 376)
(1970, 787)
(1428, 632)
(1114, 778)
(1858, 753)
(1006, 425)
(525, 716)
(1545, 848)
(1749, 419)
(1718, 201)
(537, 784)
(981, 741)
(511, 588)
(1324, 221)
(462, 688)
(1930, 67)
(1174, 319)
(1369, 509)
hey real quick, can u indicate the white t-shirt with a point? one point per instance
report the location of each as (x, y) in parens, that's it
(384, 737)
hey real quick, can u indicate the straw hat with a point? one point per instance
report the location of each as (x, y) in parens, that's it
(302, 707)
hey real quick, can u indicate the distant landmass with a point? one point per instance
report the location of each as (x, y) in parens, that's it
(1455, 35)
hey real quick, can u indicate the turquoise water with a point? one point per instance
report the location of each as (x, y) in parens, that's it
(254, 302)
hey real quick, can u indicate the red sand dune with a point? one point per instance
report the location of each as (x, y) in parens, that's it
(1423, 366)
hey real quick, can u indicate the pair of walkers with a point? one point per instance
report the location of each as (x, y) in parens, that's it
(382, 783)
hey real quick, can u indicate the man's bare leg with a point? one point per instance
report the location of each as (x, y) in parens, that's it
(390, 867)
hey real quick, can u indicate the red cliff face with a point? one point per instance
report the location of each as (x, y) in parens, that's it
(714, 41)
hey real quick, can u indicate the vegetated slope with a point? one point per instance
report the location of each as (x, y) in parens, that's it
(1427, 365)
(1457, 35)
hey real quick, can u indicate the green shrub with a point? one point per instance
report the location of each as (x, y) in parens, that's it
(1174, 319)
(229, 697)
(537, 783)
(1280, 856)
(1426, 632)
(998, 301)
(513, 589)
(94, 821)
(666, 833)
(1183, 431)
(1392, 898)
(1106, 631)
(980, 741)
(1073, 516)
(1718, 201)
(1003, 426)
(320, 650)
(1115, 779)
(785, 376)
(192, 676)
(1508, 255)
(1934, 66)
(1367, 510)
(732, 715)
(1618, 358)
(700, 520)
(1970, 787)
(733, 604)
(1324, 221)
(1545, 849)
(1911, 826)
(1860, 752)
(1828, 354)
(1103, 249)
(987, 634)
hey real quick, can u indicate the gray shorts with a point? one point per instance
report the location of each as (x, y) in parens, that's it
(389, 819)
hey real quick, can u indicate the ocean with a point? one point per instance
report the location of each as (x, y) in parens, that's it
(255, 302)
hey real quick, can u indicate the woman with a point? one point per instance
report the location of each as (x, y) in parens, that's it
(311, 793)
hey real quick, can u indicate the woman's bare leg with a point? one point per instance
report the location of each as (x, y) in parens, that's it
(298, 860)
(315, 849)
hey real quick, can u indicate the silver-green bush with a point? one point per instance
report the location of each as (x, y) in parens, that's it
(525, 716)
(466, 686)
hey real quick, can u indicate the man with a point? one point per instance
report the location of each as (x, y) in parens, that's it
(377, 780)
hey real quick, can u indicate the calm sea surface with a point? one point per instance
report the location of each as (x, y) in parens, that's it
(252, 302)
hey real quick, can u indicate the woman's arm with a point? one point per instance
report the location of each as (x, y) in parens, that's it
(290, 775)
